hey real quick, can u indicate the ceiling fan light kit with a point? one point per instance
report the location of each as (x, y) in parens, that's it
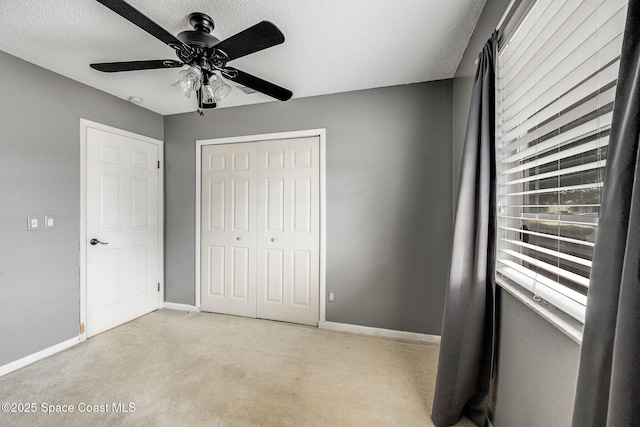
(205, 55)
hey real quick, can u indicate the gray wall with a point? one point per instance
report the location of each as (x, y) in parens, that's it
(40, 175)
(536, 369)
(388, 197)
(537, 365)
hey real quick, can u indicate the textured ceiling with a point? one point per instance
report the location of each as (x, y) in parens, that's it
(330, 46)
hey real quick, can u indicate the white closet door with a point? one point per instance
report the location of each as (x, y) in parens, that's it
(288, 257)
(228, 229)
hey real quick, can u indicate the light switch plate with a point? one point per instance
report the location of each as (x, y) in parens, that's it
(33, 223)
(49, 222)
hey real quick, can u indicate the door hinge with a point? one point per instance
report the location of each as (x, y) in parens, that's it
(158, 164)
(81, 328)
(158, 286)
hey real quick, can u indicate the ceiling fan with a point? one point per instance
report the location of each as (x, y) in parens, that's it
(205, 55)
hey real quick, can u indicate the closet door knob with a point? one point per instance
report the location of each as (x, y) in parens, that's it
(238, 239)
(273, 239)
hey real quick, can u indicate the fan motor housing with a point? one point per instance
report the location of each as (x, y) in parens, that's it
(199, 37)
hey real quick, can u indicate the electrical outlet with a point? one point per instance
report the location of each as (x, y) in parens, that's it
(49, 222)
(332, 296)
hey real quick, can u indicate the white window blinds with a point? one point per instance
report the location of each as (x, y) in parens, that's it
(556, 82)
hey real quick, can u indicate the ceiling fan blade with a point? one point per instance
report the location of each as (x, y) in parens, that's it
(114, 67)
(261, 36)
(133, 15)
(257, 83)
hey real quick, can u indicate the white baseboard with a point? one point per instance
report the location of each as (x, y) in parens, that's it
(379, 332)
(27, 360)
(344, 327)
(178, 306)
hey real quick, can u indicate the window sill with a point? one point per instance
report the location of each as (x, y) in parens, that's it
(563, 322)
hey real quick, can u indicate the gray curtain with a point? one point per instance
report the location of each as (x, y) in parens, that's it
(608, 390)
(466, 346)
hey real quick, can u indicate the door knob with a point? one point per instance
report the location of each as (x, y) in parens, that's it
(273, 239)
(96, 241)
(238, 239)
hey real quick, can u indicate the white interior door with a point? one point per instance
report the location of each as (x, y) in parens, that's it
(123, 208)
(288, 243)
(228, 229)
(260, 249)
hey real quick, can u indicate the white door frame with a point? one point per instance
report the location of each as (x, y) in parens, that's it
(84, 125)
(321, 133)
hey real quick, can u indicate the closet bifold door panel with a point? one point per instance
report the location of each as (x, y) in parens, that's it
(228, 229)
(260, 232)
(288, 252)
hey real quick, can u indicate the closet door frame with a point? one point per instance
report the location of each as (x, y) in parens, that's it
(321, 134)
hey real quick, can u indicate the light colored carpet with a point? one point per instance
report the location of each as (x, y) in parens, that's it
(206, 369)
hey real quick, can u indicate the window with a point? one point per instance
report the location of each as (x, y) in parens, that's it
(556, 85)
